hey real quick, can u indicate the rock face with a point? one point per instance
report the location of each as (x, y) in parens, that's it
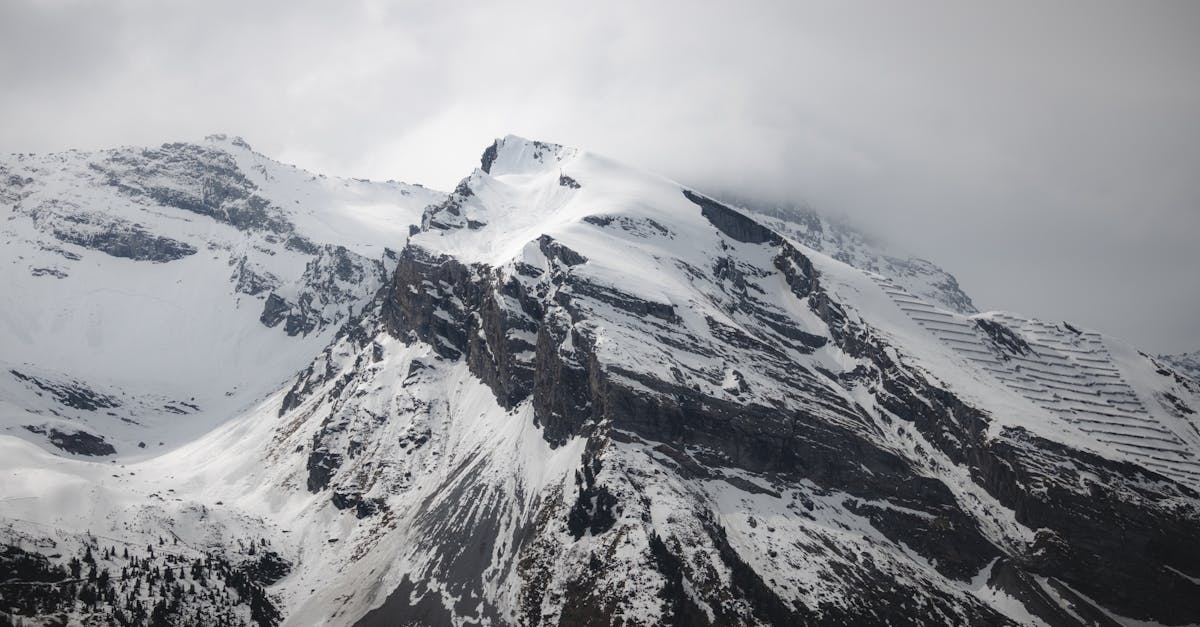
(77, 443)
(118, 238)
(583, 395)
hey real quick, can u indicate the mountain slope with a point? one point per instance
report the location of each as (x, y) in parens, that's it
(587, 395)
(1188, 363)
(842, 242)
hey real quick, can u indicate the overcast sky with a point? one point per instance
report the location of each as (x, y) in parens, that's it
(1048, 154)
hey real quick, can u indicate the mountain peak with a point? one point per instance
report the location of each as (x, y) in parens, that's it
(512, 154)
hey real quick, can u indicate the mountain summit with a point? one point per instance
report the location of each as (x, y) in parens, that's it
(566, 393)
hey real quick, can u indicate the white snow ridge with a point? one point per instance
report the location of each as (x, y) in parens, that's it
(566, 393)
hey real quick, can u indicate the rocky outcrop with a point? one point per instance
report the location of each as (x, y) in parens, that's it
(1003, 339)
(732, 223)
(75, 442)
(196, 178)
(69, 393)
(332, 280)
(129, 243)
(112, 235)
(458, 310)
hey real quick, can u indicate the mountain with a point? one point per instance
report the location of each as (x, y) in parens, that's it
(568, 392)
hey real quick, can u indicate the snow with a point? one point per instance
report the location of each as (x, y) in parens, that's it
(365, 216)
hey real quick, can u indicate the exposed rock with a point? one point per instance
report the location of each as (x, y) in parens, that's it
(732, 223)
(363, 507)
(593, 509)
(1003, 338)
(77, 442)
(489, 156)
(199, 179)
(252, 281)
(54, 272)
(72, 394)
(275, 310)
(321, 466)
(120, 239)
(556, 251)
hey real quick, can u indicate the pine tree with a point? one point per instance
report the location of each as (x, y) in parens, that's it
(87, 595)
(159, 617)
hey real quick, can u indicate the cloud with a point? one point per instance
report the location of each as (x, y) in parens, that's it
(1046, 154)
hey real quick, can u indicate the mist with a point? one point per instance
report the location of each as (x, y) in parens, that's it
(1046, 154)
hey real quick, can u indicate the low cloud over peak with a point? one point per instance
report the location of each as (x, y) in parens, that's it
(1046, 154)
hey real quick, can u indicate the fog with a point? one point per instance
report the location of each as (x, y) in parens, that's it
(1046, 154)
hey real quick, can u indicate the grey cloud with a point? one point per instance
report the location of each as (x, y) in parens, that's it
(1045, 153)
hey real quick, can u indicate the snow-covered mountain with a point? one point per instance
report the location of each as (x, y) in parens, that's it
(567, 393)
